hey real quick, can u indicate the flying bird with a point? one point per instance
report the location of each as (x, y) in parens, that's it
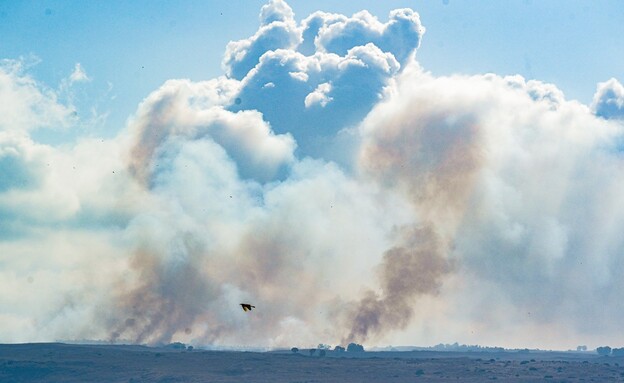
(247, 307)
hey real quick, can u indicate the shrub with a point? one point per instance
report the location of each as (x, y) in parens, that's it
(604, 350)
(354, 347)
(322, 346)
(617, 352)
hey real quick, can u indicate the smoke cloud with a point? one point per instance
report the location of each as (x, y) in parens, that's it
(415, 267)
(330, 181)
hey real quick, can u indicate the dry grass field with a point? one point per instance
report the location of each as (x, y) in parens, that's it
(55, 362)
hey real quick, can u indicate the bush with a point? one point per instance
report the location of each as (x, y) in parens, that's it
(354, 347)
(617, 352)
(339, 349)
(322, 346)
(604, 350)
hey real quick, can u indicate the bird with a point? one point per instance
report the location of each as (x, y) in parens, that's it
(247, 307)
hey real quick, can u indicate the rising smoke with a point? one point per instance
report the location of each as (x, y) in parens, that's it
(329, 180)
(415, 267)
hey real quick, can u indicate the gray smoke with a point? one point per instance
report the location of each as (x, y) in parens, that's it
(417, 266)
(342, 190)
(168, 299)
(432, 156)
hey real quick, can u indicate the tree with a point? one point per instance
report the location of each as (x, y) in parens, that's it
(617, 352)
(322, 346)
(322, 353)
(294, 350)
(312, 351)
(354, 347)
(604, 350)
(339, 349)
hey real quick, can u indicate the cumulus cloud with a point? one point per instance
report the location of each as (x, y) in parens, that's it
(400, 35)
(608, 100)
(354, 56)
(319, 96)
(329, 180)
(278, 30)
(276, 10)
(357, 80)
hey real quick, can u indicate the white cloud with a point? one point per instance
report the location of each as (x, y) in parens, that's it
(358, 81)
(278, 30)
(400, 36)
(300, 76)
(608, 100)
(358, 55)
(276, 10)
(25, 105)
(311, 26)
(78, 75)
(319, 96)
(537, 90)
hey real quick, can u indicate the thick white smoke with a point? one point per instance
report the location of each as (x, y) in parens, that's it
(331, 182)
(522, 183)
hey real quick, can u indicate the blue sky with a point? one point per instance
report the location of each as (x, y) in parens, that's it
(136, 46)
(353, 176)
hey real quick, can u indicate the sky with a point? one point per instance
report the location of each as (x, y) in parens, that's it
(397, 172)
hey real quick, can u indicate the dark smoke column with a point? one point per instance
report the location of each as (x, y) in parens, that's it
(414, 268)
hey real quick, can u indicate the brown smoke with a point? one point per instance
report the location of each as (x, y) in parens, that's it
(430, 158)
(156, 120)
(415, 267)
(433, 160)
(168, 298)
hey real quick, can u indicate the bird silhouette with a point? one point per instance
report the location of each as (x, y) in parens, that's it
(247, 307)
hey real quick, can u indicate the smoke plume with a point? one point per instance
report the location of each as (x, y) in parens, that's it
(415, 267)
(329, 181)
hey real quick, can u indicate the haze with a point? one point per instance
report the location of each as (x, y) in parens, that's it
(325, 174)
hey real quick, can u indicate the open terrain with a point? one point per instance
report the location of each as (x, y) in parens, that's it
(56, 362)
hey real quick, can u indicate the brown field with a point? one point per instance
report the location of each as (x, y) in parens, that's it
(55, 362)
